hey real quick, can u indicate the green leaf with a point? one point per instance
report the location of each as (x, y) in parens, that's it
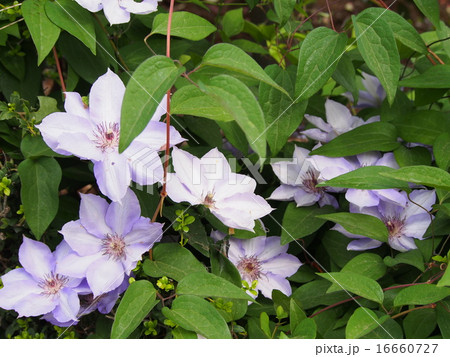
(379, 136)
(416, 155)
(235, 135)
(184, 24)
(135, 305)
(422, 294)
(319, 56)
(403, 31)
(365, 178)
(443, 319)
(377, 46)
(283, 9)
(419, 323)
(299, 222)
(314, 293)
(206, 285)
(356, 284)
(43, 32)
(34, 146)
(441, 148)
(445, 280)
(264, 324)
(180, 333)
(422, 175)
(172, 260)
(39, 192)
(232, 58)
(296, 315)
(412, 257)
(195, 314)
(145, 90)
(237, 99)
(345, 75)
(361, 224)
(281, 115)
(70, 16)
(367, 264)
(233, 22)
(432, 77)
(423, 126)
(47, 105)
(14, 64)
(363, 321)
(430, 8)
(306, 329)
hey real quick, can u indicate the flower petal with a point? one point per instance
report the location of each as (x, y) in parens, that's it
(80, 240)
(362, 198)
(104, 275)
(36, 258)
(68, 307)
(144, 232)
(12, 293)
(91, 5)
(303, 198)
(143, 7)
(93, 210)
(106, 96)
(76, 266)
(417, 225)
(403, 243)
(154, 136)
(270, 282)
(113, 175)
(284, 193)
(178, 192)
(115, 14)
(283, 265)
(74, 105)
(35, 305)
(15, 275)
(422, 198)
(363, 244)
(319, 123)
(122, 216)
(272, 248)
(235, 251)
(254, 246)
(145, 164)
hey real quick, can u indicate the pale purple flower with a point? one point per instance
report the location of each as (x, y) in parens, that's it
(108, 240)
(339, 120)
(368, 198)
(374, 94)
(39, 288)
(300, 176)
(93, 134)
(118, 11)
(404, 224)
(265, 260)
(209, 181)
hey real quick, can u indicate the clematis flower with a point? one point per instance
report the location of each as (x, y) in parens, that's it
(118, 11)
(39, 288)
(339, 120)
(404, 224)
(93, 134)
(265, 260)
(107, 240)
(209, 181)
(374, 94)
(300, 176)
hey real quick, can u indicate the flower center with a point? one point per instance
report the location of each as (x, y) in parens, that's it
(250, 268)
(309, 181)
(208, 201)
(52, 284)
(107, 136)
(114, 246)
(394, 225)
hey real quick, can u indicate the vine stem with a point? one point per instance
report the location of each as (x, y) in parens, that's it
(167, 147)
(58, 67)
(429, 306)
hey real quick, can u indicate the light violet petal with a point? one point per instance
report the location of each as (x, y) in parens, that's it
(283, 265)
(134, 254)
(424, 198)
(403, 243)
(254, 246)
(114, 13)
(178, 192)
(91, 5)
(392, 196)
(318, 135)
(235, 251)
(113, 176)
(303, 198)
(147, 234)
(328, 200)
(369, 158)
(78, 144)
(106, 96)
(188, 170)
(338, 116)
(284, 193)
(93, 209)
(363, 244)
(270, 282)
(80, 240)
(35, 305)
(74, 105)
(77, 266)
(146, 166)
(160, 110)
(61, 251)
(417, 225)
(36, 258)
(15, 275)
(154, 136)
(235, 183)
(68, 307)
(104, 275)
(122, 215)
(272, 248)
(388, 160)
(362, 198)
(343, 231)
(15, 291)
(235, 218)
(288, 172)
(319, 123)
(143, 7)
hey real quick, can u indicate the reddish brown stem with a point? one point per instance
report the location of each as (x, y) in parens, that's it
(331, 16)
(429, 306)
(58, 67)
(435, 56)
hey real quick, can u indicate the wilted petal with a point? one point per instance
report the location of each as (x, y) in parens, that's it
(36, 258)
(92, 214)
(121, 216)
(80, 240)
(113, 175)
(104, 275)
